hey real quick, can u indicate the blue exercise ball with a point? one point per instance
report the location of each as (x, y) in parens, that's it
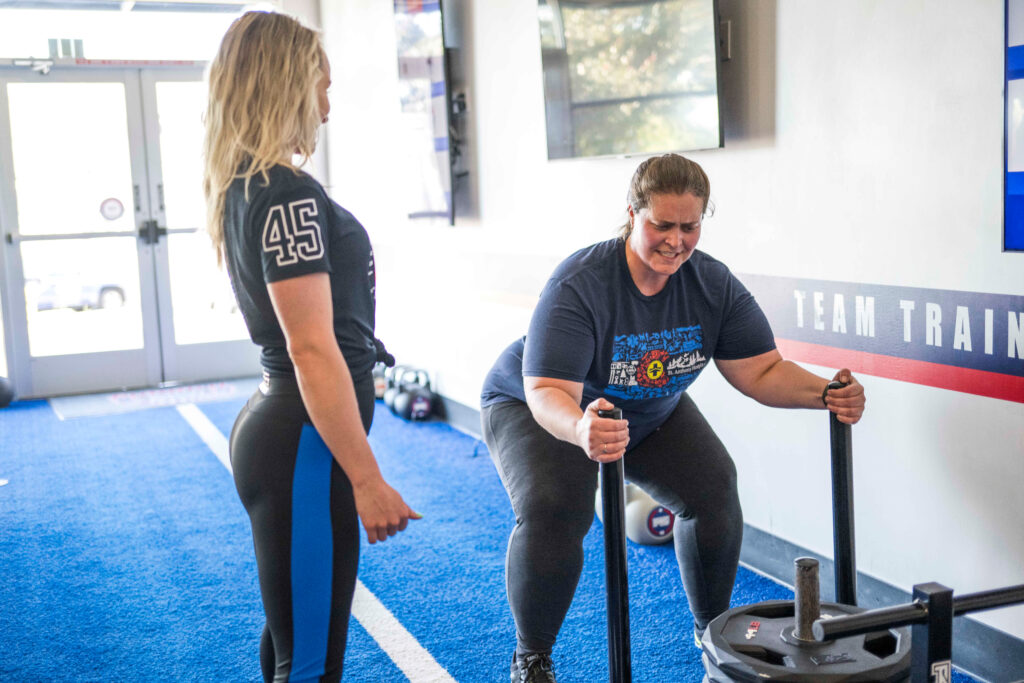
(6, 392)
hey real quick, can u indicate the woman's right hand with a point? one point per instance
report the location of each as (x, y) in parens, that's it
(382, 510)
(602, 438)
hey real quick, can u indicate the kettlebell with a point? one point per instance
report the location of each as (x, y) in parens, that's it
(415, 400)
(391, 376)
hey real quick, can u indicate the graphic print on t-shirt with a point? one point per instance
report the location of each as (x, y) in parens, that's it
(293, 233)
(653, 364)
(371, 275)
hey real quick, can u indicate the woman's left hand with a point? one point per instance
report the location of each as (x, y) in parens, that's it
(847, 403)
(381, 509)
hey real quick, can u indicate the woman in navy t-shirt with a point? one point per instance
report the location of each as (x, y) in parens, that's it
(630, 323)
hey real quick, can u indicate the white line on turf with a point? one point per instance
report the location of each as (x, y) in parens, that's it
(409, 656)
(207, 431)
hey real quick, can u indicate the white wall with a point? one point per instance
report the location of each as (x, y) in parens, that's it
(308, 11)
(863, 144)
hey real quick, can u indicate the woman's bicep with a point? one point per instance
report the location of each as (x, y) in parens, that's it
(745, 373)
(303, 308)
(561, 338)
(532, 385)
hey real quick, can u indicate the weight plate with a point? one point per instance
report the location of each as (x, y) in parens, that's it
(756, 643)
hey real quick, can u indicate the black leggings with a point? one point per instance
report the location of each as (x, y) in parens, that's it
(551, 484)
(304, 527)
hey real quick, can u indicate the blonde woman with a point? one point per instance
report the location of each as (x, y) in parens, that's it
(302, 270)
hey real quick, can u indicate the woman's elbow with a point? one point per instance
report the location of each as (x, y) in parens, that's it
(306, 353)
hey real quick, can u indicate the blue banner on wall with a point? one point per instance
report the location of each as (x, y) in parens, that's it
(1013, 112)
(963, 341)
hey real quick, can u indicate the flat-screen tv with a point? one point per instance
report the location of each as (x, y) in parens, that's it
(629, 77)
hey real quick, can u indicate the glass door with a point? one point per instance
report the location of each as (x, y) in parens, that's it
(107, 283)
(72, 194)
(202, 332)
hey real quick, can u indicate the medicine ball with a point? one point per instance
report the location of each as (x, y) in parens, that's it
(632, 492)
(647, 521)
(6, 392)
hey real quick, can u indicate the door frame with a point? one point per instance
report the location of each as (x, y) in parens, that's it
(160, 361)
(73, 373)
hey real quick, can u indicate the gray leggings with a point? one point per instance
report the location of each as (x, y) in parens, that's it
(551, 484)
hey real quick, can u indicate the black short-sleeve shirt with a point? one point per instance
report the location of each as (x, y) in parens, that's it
(289, 227)
(593, 325)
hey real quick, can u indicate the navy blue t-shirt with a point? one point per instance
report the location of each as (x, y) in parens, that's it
(289, 227)
(593, 325)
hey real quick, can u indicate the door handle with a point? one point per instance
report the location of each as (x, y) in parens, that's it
(150, 232)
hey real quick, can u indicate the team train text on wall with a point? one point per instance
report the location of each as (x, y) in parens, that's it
(962, 341)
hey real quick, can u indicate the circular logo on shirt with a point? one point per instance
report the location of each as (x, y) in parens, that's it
(651, 371)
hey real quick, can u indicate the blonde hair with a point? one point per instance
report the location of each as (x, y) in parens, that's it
(262, 107)
(666, 174)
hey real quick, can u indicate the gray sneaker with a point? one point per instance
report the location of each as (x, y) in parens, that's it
(534, 668)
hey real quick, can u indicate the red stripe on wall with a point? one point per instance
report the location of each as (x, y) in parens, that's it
(965, 380)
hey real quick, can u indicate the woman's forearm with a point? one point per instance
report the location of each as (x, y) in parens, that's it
(787, 385)
(770, 380)
(555, 405)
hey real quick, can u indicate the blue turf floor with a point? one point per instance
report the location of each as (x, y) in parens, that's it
(126, 556)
